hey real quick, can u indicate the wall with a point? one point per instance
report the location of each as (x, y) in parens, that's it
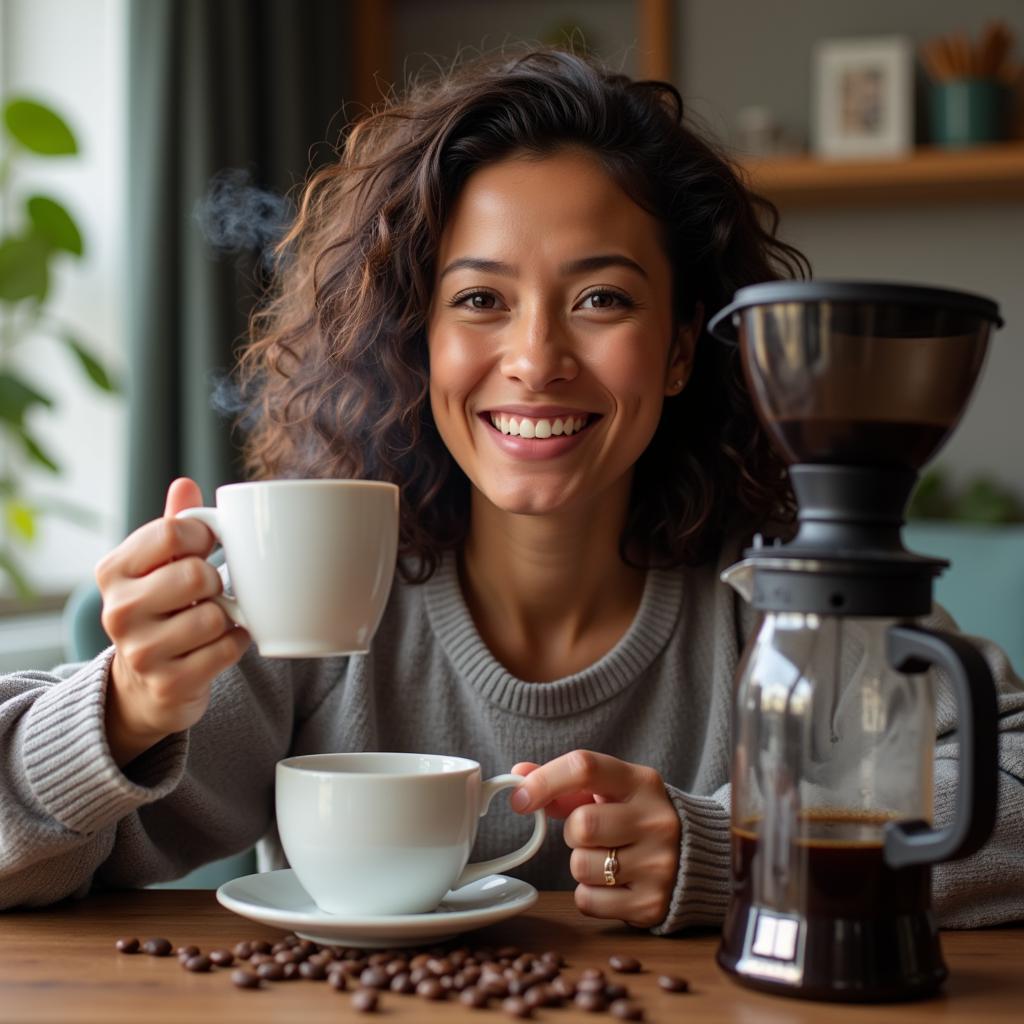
(72, 55)
(735, 53)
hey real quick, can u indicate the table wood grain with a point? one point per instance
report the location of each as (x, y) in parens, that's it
(59, 964)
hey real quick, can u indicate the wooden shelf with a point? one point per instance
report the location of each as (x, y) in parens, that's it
(930, 175)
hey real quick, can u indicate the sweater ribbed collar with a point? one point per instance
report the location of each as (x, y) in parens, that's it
(619, 668)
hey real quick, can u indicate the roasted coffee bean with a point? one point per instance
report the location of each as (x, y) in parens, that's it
(553, 957)
(590, 984)
(261, 946)
(157, 947)
(271, 971)
(395, 967)
(624, 964)
(353, 968)
(279, 947)
(563, 987)
(473, 997)
(364, 1000)
(494, 986)
(430, 988)
(127, 945)
(593, 972)
(288, 956)
(613, 990)
(306, 947)
(625, 1009)
(186, 951)
(402, 984)
(538, 996)
(516, 1006)
(312, 970)
(198, 964)
(222, 957)
(374, 977)
(447, 982)
(338, 980)
(419, 960)
(291, 972)
(523, 963)
(508, 952)
(592, 1002)
(439, 966)
(242, 978)
(261, 958)
(673, 983)
(418, 974)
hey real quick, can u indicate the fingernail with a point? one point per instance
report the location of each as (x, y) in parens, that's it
(520, 800)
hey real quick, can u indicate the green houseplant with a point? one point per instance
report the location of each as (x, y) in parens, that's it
(36, 233)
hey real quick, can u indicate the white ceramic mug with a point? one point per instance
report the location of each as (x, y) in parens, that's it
(370, 834)
(310, 561)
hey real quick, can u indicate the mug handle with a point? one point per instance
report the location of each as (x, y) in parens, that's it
(209, 518)
(495, 866)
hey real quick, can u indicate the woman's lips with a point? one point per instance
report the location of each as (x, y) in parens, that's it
(532, 448)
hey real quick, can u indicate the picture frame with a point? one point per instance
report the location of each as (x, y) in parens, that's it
(863, 97)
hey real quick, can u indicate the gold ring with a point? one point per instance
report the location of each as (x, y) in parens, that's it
(611, 865)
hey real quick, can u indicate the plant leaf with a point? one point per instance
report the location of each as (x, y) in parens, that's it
(24, 273)
(21, 584)
(54, 224)
(35, 452)
(39, 129)
(95, 370)
(17, 397)
(21, 519)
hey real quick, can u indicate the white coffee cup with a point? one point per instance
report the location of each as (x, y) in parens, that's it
(310, 561)
(370, 834)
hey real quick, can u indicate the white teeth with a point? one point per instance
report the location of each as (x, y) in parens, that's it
(515, 426)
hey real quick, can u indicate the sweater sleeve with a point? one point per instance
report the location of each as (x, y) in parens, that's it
(988, 887)
(71, 820)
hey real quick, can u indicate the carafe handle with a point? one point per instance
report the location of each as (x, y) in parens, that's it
(912, 649)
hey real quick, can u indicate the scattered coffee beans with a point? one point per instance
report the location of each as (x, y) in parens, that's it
(624, 964)
(671, 983)
(521, 981)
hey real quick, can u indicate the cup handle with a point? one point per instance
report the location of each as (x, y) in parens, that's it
(209, 517)
(495, 866)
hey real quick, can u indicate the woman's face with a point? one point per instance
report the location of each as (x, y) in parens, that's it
(551, 336)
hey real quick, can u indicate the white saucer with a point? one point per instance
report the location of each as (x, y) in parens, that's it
(276, 898)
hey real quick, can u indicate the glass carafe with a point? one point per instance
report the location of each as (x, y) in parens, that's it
(834, 731)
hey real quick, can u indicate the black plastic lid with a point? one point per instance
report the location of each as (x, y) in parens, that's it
(771, 292)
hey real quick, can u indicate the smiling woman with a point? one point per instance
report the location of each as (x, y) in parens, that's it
(496, 299)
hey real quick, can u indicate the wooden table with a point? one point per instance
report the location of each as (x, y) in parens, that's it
(59, 965)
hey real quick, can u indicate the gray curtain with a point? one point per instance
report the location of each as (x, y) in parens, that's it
(215, 85)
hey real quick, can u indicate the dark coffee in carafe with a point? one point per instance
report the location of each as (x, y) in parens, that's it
(861, 926)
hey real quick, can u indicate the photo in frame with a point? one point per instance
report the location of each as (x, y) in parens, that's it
(863, 97)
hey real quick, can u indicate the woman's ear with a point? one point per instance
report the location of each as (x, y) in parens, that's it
(680, 363)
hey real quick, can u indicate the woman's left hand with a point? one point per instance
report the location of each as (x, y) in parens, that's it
(609, 805)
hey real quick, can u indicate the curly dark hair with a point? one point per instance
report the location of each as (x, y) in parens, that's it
(335, 373)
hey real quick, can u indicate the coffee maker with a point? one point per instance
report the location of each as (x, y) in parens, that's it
(832, 836)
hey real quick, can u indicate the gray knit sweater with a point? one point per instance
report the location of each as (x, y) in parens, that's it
(71, 820)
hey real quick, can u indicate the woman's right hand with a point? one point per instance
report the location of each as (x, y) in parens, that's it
(171, 639)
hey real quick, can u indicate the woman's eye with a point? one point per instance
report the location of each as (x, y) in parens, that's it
(604, 299)
(476, 300)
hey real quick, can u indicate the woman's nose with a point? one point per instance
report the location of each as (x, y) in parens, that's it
(539, 352)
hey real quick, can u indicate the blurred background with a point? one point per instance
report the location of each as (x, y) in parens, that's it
(150, 149)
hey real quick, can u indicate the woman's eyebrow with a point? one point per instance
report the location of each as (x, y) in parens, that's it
(587, 263)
